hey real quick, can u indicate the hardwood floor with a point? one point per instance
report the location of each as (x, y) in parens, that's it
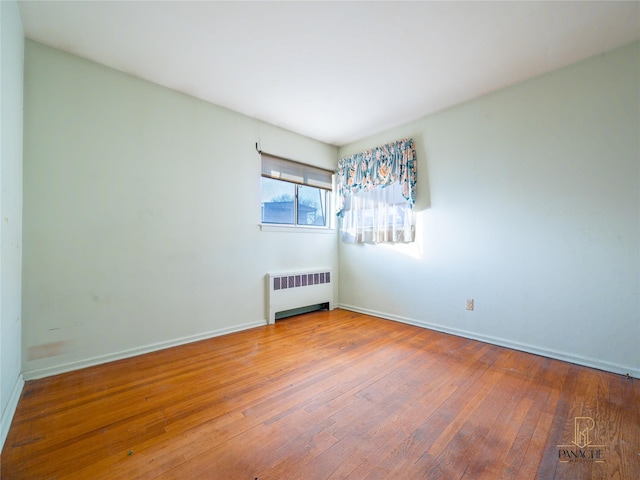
(328, 395)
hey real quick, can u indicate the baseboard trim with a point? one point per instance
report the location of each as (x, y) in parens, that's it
(111, 357)
(10, 409)
(502, 342)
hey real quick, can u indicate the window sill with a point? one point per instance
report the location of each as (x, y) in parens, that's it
(297, 229)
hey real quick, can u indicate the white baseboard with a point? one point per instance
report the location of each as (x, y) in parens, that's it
(90, 362)
(10, 409)
(502, 342)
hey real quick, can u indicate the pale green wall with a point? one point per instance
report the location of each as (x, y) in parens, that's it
(141, 213)
(11, 68)
(528, 202)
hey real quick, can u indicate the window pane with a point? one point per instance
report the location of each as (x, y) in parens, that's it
(312, 206)
(277, 201)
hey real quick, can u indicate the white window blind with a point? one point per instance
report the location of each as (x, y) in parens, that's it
(295, 172)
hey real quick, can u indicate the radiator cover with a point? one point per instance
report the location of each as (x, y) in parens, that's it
(289, 290)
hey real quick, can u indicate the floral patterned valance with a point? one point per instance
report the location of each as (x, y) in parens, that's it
(378, 167)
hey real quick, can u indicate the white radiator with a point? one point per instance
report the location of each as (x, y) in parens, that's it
(286, 291)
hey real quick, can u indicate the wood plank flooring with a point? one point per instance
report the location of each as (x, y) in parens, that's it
(328, 395)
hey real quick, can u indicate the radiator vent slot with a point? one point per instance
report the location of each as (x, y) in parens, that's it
(301, 280)
(293, 290)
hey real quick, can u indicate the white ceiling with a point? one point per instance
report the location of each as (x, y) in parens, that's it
(334, 71)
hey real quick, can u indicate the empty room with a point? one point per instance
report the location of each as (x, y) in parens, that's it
(320, 240)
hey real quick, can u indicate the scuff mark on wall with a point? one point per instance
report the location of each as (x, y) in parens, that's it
(45, 350)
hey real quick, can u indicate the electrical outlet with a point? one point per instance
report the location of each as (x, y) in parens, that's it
(469, 304)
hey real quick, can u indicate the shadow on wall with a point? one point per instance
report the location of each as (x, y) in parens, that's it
(423, 191)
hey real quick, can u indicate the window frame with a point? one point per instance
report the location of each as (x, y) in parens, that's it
(298, 174)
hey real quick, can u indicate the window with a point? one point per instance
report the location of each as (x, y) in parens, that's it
(294, 193)
(376, 194)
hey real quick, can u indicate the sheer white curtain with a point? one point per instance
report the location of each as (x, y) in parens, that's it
(376, 194)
